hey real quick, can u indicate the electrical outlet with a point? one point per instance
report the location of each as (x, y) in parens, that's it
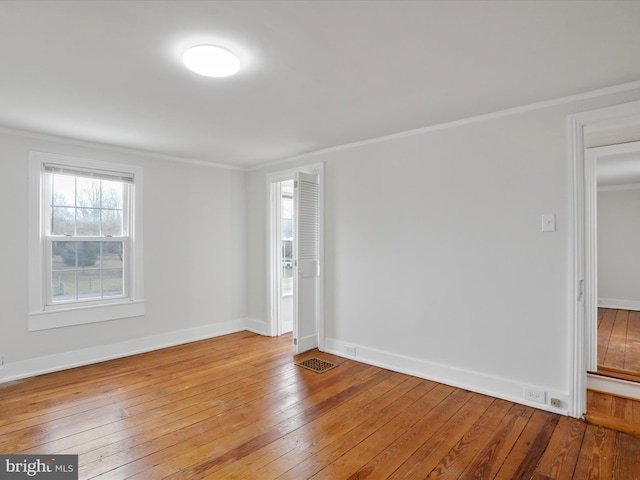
(555, 402)
(532, 395)
(350, 350)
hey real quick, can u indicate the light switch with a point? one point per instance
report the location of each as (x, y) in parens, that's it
(548, 222)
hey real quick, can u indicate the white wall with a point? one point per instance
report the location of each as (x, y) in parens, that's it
(435, 260)
(194, 261)
(619, 248)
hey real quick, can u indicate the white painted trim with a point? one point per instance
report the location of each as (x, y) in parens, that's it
(458, 123)
(590, 273)
(260, 327)
(616, 188)
(620, 148)
(579, 268)
(619, 304)
(308, 342)
(457, 377)
(114, 148)
(577, 339)
(80, 315)
(62, 361)
(614, 386)
(273, 267)
(274, 239)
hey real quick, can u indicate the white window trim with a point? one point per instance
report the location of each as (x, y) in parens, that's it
(40, 317)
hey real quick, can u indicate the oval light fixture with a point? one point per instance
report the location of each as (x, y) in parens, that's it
(211, 61)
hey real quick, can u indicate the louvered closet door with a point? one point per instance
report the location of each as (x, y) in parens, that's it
(307, 254)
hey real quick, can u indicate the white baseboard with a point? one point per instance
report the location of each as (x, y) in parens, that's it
(60, 361)
(619, 304)
(307, 343)
(614, 386)
(287, 326)
(467, 379)
(261, 327)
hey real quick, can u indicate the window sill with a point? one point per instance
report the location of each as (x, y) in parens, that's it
(80, 315)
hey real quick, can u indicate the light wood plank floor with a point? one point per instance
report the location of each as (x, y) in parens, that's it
(619, 343)
(237, 407)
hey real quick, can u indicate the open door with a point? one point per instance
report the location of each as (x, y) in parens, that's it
(307, 263)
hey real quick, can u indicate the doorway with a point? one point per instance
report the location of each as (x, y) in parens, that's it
(295, 200)
(284, 230)
(615, 213)
(611, 125)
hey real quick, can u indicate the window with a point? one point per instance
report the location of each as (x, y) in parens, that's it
(85, 241)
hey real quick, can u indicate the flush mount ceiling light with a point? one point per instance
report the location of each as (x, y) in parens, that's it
(211, 61)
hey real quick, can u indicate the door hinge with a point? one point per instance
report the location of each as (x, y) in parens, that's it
(295, 341)
(295, 184)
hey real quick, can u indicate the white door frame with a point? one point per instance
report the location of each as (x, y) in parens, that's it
(274, 284)
(273, 268)
(583, 268)
(276, 253)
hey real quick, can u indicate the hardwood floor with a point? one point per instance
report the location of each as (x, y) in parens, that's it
(237, 407)
(619, 343)
(612, 411)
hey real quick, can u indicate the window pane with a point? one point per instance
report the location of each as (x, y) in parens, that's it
(86, 270)
(287, 228)
(63, 256)
(88, 221)
(112, 194)
(88, 192)
(287, 207)
(62, 221)
(112, 222)
(88, 254)
(89, 283)
(63, 285)
(113, 269)
(63, 190)
(287, 259)
(112, 282)
(112, 254)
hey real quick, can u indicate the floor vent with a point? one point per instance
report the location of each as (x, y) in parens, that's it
(316, 365)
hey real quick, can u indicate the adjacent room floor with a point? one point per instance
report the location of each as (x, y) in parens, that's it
(619, 343)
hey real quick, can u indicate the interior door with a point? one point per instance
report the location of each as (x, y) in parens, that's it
(307, 251)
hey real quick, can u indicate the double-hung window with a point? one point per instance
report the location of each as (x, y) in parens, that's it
(85, 241)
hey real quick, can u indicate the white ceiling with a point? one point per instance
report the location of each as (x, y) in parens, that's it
(315, 74)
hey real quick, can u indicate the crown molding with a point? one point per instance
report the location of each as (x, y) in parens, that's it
(458, 123)
(114, 148)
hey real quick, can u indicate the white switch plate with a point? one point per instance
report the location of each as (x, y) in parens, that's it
(548, 222)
